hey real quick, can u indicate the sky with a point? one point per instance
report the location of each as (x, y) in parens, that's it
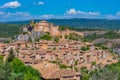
(18, 10)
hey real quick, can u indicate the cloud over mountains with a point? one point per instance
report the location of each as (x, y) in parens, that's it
(74, 11)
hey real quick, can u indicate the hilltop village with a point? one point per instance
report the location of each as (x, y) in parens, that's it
(35, 30)
(54, 53)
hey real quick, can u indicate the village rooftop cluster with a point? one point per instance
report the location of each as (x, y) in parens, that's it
(61, 60)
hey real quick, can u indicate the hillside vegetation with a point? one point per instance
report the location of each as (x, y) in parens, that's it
(108, 35)
(8, 30)
(15, 69)
(109, 72)
(81, 23)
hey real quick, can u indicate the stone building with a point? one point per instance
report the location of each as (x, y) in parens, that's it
(44, 26)
(51, 71)
(35, 30)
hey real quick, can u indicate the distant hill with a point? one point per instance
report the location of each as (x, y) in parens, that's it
(81, 23)
(9, 29)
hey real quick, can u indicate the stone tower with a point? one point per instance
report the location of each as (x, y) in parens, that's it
(32, 22)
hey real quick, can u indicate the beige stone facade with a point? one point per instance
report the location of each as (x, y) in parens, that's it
(44, 26)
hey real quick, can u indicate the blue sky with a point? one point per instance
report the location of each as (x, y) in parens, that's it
(16, 10)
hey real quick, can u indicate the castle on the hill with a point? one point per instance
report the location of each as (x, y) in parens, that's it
(35, 30)
(44, 26)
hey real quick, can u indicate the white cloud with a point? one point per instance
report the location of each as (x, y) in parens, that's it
(111, 16)
(94, 13)
(118, 13)
(46, 16)
(75, 12)
(16, 15)
(1, 12)
(22, 13)
(13, 4)
(116, 16)
(71, 11)
(41, 3)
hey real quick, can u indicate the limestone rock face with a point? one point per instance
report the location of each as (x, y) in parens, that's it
(25, 29)
(36, 34)
(23, 37)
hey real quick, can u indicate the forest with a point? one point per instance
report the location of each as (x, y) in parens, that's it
(8, 30)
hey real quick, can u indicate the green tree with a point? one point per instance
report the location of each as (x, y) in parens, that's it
(1, 57)
(62, 66)
(17, 70)
(16, 76)
(85, 73)
(30, 39)
(37, 39)
(85, 48)
(31, 74)
(11, 55)
(105, 74)
(17, 65)
(56, 39)
(74, 36)
(93, 63)
(46, 37)
(5, 71)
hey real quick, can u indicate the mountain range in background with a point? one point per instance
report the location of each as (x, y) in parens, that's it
(79, 23)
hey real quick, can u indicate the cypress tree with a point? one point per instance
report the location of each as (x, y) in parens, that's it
(11, 55)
